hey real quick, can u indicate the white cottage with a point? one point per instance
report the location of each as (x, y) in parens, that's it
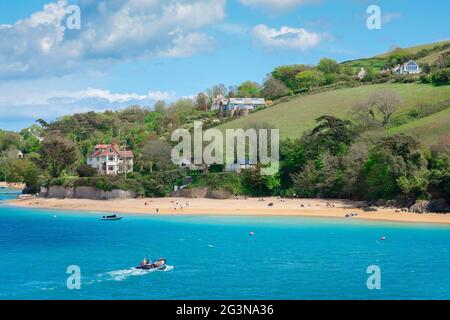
(410, 67)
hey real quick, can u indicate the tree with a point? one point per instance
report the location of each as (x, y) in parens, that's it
(329, 66)
(399, 56)
(248, 89)
(332, 134)
(286, 74)
(441, 76)
(310, 79)
(58, 153)
(257, 184)
(159, 107)
(203, 101)
(364, 117)
(386, 102)
(156, 153)
(85, 171)
(293, 158)
(274, 89)
(393, 166)
(32, 177)
(348, 71)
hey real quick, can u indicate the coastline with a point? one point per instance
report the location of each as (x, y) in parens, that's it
(317, 208)
(13, 185)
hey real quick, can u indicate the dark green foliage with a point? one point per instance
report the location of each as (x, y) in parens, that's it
(441, 76)
(160, 184)
(86, 171)
(58, 153)
(227, 181)
(256, 184)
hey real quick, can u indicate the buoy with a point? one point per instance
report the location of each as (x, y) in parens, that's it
(252, 233)
(383, 238)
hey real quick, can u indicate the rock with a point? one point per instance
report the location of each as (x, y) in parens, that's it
(439, 206)
(428, 206)
(218, 194)
(421, 206)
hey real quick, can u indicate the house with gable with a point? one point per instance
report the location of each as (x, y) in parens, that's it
(108, 159)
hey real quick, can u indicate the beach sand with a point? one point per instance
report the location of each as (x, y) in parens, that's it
(241, 207)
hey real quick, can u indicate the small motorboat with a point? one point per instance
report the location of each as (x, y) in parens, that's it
(111, 217)
(160, 264)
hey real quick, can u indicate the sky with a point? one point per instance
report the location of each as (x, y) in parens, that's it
(128, 52)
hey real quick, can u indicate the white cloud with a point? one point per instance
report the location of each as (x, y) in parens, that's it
(187, 45)
(111, 30)
(276, 4)
(286, 38)
(52, 104)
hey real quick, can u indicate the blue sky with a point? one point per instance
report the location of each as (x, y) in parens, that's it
(138, 51)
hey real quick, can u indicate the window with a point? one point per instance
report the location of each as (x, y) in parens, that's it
(110, 168)
(111, 158)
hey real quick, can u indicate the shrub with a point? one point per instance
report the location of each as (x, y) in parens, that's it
(86, 171)
(441, 76)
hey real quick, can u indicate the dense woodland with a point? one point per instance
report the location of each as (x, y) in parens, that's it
(339, 158)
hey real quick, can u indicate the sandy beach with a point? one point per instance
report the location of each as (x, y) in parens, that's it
(242, 207)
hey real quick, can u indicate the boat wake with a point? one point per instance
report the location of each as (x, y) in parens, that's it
(121, 275)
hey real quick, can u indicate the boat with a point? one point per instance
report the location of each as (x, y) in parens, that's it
(160, 264)
(111, 217)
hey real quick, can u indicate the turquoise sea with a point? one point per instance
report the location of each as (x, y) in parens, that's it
(216, 258)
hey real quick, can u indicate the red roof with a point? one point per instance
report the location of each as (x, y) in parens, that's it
(105, 150)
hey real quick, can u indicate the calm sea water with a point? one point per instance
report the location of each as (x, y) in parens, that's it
(215, 258)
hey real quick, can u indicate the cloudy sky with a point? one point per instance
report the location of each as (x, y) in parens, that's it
(140, 51)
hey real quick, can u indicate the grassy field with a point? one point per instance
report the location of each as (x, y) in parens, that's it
(429, 129)
(379, 61)
(416, 49)
(298, 115)
(432, 58)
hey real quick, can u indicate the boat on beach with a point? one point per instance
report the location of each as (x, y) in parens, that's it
(113, 217)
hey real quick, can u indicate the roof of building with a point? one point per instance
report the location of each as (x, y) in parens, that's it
(244, 101)
(105, 150)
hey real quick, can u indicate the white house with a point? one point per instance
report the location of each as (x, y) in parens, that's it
(238, 166)
(362, 73)
(410, 67)
(109, 159)
(237, 106)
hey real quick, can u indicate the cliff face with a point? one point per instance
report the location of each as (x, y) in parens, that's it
(91, 193)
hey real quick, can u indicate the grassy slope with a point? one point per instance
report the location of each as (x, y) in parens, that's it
(378, 61)
(298, 115)
(432, 58)
(428, 129)
(413, 50)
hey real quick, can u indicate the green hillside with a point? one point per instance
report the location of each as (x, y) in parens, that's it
(296, 116)
(379, 61)
(429, 129)
(416, 49)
